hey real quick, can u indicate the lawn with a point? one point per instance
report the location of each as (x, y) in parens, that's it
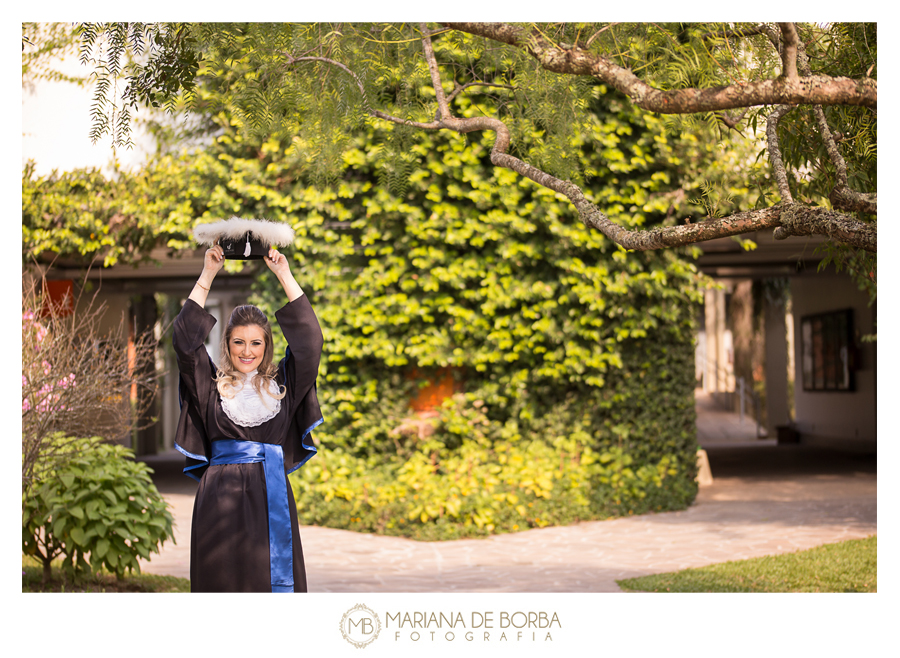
(31, 582)
(848, 566)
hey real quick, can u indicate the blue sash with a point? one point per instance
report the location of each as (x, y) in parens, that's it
(281, 552)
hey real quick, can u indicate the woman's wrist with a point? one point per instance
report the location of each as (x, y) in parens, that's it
(206, 279)
(291, 287)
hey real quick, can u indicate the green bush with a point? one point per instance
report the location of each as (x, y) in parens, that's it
(492, 481)
(98, 509)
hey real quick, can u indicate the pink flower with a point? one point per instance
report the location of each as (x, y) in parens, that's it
(28, 318)
(49, 395)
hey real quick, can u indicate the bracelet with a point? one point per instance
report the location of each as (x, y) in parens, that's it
(204, 287)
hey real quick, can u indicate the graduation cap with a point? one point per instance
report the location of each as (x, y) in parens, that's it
(244, 239)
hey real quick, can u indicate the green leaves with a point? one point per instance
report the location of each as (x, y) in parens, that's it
(561, 337)
(493, 481)
(98, 510)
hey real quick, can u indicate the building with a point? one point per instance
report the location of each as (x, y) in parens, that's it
(148, 296)
(799, 338)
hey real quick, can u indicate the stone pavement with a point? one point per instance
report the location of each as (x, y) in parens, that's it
(765, 499)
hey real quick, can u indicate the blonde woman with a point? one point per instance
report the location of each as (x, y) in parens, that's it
(243, 427)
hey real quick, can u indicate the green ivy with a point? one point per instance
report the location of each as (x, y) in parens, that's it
(558, 334)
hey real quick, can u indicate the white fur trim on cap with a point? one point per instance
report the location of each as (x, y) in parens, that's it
(270, 233)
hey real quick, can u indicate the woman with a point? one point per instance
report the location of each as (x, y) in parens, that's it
(243, 426)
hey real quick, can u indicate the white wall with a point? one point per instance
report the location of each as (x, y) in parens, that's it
(832, 418)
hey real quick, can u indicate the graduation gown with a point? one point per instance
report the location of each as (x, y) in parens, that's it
(232, 549)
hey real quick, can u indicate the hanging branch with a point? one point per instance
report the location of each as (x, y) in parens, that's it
(842, 196)
(774, 150)
(731, 120)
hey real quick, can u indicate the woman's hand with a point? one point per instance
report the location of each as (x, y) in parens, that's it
(278, 263)
(213, 261)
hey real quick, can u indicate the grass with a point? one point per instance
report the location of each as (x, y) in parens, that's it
(848, 566)
(102, 582)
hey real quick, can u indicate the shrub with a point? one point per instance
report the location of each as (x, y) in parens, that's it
(493, 480)
(97, 508)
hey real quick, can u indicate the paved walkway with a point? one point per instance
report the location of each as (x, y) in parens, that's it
(765, 499)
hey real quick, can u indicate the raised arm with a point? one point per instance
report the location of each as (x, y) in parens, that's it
(212, 263)
(190, 329)
(279, 265)
(300, 327)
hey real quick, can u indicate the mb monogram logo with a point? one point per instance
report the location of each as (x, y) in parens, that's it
(360, 626)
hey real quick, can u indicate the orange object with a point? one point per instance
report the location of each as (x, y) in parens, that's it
(440, 387)
(61, 294)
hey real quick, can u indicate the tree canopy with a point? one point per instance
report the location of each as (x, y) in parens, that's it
(806, 92)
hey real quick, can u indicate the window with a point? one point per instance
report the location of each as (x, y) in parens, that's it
(828, 351)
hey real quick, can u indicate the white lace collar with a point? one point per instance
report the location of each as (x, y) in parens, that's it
(247, 408)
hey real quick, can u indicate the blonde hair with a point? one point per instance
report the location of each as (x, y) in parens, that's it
(227, 375)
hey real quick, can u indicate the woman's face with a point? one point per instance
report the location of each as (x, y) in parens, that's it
(247, 347)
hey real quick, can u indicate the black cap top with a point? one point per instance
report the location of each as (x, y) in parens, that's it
(244, 239)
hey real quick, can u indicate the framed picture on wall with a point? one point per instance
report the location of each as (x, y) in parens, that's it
(827, 348)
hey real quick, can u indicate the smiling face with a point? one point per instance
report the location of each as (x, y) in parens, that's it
(247, 346)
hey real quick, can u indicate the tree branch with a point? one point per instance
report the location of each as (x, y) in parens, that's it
(434, 125)
(598, 33)
(745, 32)
(816, 90)
(475, 83)
(797, 219)
(731, 120)
(789, 42)
(443, 105)
(775, 152)
(842, 196)
(656, 238)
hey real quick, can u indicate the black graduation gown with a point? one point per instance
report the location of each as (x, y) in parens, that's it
(230, 528)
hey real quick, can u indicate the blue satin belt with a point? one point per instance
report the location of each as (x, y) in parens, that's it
(281, 554)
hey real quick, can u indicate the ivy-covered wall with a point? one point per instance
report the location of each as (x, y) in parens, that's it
(573, 358)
